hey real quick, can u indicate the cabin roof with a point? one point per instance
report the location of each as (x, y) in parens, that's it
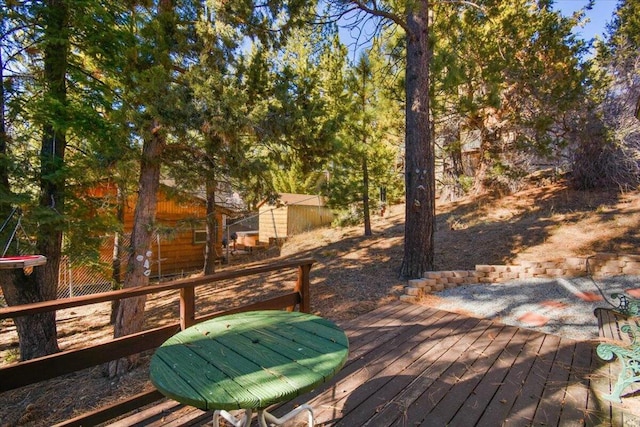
(229, 203)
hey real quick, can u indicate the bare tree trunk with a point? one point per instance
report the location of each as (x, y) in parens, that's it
(210, 248)
(37, 333)
(453, 169)
(116, 265)
(366, 74)
(130, 315)
(419, 164)
(365, 196)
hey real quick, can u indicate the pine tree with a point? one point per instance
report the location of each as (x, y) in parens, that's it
(55, 129)
(511, 74)
(413, 18)
(366, 160)
(160, 113)
(606, 153)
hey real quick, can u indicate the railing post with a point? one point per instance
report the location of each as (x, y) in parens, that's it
(187, 307)
(302, 287)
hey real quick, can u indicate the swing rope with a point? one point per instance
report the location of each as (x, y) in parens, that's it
(15, 229)
(18, 261)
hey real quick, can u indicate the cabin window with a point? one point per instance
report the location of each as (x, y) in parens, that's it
(199, 237)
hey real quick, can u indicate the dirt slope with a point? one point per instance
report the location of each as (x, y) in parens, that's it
(355, 273)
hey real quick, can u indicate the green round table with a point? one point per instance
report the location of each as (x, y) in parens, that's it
(249, 361)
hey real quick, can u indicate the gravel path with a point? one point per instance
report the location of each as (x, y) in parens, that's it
(566, 304)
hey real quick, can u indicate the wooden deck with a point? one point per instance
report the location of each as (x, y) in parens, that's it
(411, 365)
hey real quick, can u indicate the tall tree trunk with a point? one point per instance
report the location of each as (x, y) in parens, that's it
(365, 195)
(130, 315)
(210, 247)
(419, 150)
(366, 74)
(453, 170)
(116, 265)
(37, 333)
(5, 209)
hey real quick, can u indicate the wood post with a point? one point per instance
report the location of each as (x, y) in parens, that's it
(187, 307)
(302, 287)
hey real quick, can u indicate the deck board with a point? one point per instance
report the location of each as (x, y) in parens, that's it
(413, 365)
(502, 375)
(530, 394)
(462, 401)
(548, 412)
(577, 393)
(395, 379)
(372, 371)
(438, 399)
(500, 385)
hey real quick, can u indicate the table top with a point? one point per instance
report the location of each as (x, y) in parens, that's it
(248, 360)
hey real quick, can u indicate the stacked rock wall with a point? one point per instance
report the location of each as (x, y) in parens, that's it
(598, 265)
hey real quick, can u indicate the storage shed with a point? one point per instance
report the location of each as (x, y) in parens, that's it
(292, 214)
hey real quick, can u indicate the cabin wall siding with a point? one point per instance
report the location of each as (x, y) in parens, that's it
(173, 250)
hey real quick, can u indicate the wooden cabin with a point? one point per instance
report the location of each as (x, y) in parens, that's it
(292, 214)
(179, 237)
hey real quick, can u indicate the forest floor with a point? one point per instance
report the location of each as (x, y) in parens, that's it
(353, 274)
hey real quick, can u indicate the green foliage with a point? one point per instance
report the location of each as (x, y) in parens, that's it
(624, 31)
(372, 137)
(466, 182)
(94, 143)
(605, 151)
(300, 118)
(511, 70)
(349, 217)
(265, 116)
(294, 181)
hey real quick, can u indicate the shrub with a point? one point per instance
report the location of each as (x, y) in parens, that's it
(600, 162)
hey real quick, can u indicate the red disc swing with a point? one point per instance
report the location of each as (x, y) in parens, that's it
(19, 261)
(23, 261)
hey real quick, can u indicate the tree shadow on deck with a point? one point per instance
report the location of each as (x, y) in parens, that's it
(487, 374)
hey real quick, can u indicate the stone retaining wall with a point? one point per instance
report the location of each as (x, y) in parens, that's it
(598, 265)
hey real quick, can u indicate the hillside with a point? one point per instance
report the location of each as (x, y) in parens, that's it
(355, 273)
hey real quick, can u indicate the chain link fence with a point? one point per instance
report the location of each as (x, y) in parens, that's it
(85, 278)
(79, 277)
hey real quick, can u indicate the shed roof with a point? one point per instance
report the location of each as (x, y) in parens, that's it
(297, 200)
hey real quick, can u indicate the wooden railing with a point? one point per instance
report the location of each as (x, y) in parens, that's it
(47, 367)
